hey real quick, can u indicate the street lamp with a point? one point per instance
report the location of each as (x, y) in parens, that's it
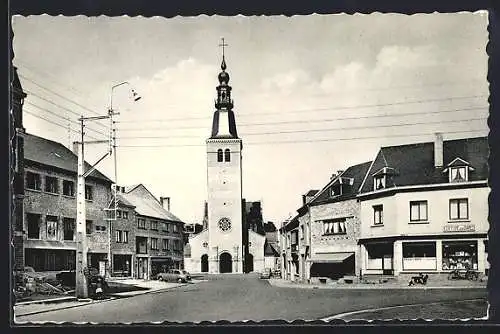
(81, 290)
(135, 97)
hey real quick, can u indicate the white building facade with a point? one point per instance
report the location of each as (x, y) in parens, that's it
(424, 208)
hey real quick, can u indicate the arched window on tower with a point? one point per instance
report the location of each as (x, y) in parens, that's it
(227, 155)
(219, 155)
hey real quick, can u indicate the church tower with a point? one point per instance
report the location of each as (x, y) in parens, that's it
(224, 183)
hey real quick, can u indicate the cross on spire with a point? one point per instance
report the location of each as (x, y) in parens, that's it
(223, 45)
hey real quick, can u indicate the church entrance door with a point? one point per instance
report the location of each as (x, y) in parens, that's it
(225, 263)
(204, 263)
(249, 263)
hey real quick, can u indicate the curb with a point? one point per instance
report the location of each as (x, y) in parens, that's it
(371, 287)
(65, 307)
(112, 297)
(339, 316)
(47, 301)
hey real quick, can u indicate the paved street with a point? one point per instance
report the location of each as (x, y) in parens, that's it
(245, 297)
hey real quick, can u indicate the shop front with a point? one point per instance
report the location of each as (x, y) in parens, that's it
(419, 256)
(460, 255)
(332, 265)
(379, 258)
(122, 265)
(160, 265)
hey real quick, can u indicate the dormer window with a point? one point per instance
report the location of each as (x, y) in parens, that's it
(458, 174)
(378, 182)
(336, 190)
(458, 170)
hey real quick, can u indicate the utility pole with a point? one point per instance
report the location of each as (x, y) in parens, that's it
(81, 223)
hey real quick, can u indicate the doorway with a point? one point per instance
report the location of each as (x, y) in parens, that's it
(249, 263)
(204, 263)
(225, 263)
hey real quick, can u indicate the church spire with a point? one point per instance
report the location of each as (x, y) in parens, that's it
(224, 124)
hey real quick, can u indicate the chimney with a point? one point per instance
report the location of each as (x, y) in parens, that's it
(438, 150)
(340, 171)
(165, 203)
(333, 176)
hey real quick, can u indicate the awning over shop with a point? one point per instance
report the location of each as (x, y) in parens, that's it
(331, 257)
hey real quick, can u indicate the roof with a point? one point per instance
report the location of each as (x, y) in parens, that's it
(269, 250)
(312, 192)
(414, 164)
(354, 174)
(122, 200)
(146, 203)
(51, 153)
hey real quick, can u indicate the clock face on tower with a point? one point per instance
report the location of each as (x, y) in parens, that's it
(224, 224)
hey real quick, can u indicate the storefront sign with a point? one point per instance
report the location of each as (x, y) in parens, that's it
(459, 228)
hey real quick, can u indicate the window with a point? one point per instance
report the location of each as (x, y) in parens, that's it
(118, 236)
(33, 225)
(378, 215)
(141, 223)
(89, 192)
(125, 214)
(118, 214)
(419, 256)
(154, 243)
(459, 255)
(100, 228)
(379, 182)
(51, 185)
(459, 209)
(219, 155)
(88, 226)
(68, 188)
(177, 245)
(33, 181)
(419, 249)
(302, 232)
(458, 174)
(69, 228)
(154, 225)
(418, 211)
(176, 228)
(164, 245)
(334, 226)
(51, 227)
(227, 155)
(125, 237)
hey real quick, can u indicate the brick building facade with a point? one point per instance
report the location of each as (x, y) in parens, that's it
(16, 179)
(50, 180)
(153, 233)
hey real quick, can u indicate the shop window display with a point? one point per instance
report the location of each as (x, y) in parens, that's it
(460, 255)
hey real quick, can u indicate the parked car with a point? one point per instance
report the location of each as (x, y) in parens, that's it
(174, 275)
(266, 273)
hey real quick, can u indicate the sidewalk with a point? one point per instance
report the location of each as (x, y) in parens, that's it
(127, 288)
(391, 284)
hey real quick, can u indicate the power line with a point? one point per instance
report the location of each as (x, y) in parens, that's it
(315, 109)
(54, 123)
(314, 120)
(320, 130)
(58, 105)
(57, 94)
(62, 117)
(312, 140)
(33, 70)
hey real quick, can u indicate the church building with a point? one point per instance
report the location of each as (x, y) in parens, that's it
(226, 245)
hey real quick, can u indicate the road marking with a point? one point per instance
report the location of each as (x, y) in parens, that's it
(341, 315)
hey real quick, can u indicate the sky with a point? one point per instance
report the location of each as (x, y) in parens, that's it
(313, 94)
